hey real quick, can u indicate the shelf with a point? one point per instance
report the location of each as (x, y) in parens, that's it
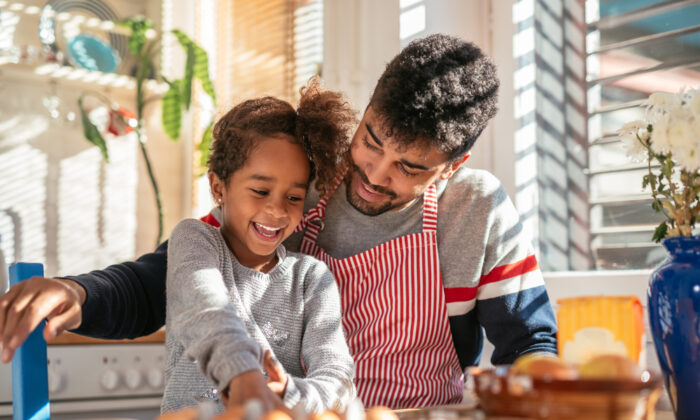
(71, 76)
(71, 18)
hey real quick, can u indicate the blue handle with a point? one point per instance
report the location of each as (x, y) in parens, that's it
(30, 381)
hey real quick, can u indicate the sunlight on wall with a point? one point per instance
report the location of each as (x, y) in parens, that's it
(60, 205)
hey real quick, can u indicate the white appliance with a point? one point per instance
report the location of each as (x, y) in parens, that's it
(99, 381)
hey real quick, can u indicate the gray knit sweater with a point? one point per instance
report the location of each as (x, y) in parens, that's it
(222, 316)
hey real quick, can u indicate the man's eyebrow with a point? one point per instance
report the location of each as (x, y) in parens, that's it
(414, 165)
(404, 161)
(374, 136)
(270, 179)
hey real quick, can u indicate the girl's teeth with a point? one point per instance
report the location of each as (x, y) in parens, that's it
(266, 230)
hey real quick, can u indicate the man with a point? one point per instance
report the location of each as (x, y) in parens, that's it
(426, 252)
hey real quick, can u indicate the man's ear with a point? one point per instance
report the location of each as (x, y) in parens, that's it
(450, 170)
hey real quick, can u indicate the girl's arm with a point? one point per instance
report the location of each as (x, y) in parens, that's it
(329, 367)
(200, 312)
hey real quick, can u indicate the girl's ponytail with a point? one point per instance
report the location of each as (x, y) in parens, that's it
(324, 126)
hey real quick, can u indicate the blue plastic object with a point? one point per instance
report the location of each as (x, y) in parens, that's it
(674, 317)
(93, 54)
(30, 382)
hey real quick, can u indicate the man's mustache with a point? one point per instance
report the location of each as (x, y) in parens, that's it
(376, 188)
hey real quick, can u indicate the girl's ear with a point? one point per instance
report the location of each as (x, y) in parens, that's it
(217, 187)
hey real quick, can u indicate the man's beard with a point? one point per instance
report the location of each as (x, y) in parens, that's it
(361, 204)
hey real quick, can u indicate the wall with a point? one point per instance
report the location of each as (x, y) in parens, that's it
(60, 204)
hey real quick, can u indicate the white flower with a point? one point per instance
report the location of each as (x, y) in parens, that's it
(634, 136)
(693, 103)
(663, 102)
(684, 144)
(659, 137)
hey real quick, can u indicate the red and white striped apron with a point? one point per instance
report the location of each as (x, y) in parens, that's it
(395, 316)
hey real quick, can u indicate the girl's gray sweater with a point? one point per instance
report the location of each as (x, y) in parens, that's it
(222, 316)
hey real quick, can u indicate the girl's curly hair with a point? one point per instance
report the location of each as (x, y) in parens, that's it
(322, 124)
(439, 90)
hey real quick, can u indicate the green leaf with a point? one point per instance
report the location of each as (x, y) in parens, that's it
(138, 26)
(187, 81)
(660, 232)
(655, 206)
(645, 181)
(200, 64)
(91, 133)
(172, 110)
(205, 144)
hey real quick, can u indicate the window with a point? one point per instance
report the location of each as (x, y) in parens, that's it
(633, 48)
(267, 48)
(583, 68)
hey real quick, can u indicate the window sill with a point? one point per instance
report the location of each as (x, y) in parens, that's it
(564, 284)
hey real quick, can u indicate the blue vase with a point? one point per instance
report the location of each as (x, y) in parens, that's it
(674, 315)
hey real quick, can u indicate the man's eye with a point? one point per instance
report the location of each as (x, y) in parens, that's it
(258, 192)
(407, 172)
(369, 145)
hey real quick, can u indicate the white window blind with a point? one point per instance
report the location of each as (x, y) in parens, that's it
(267, 47)
(634, 48)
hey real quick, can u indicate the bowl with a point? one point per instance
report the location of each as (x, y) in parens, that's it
(502, 393)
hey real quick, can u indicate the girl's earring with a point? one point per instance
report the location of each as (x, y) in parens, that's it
(219, 200)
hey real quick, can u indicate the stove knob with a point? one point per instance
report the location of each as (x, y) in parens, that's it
(109, 380)
(133, 378)
(56, 380)
(155, 378)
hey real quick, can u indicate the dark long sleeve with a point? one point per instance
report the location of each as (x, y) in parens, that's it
(125, 300)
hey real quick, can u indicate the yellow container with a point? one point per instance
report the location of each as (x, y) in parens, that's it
(593, 325)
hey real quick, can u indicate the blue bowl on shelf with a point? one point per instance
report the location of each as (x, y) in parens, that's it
(93, 54)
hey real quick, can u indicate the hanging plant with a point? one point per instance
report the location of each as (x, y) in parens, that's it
(145, 50)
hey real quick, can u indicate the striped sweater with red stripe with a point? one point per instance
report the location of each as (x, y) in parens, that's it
(490, 274)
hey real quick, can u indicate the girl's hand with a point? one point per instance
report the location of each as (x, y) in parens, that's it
(277, 381)
(251, 386)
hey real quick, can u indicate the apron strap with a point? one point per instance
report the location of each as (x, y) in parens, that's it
(430, 208)
(319, 212)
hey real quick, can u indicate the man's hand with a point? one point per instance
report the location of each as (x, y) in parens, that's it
(27, 303)
(277, 378)
(252, 385)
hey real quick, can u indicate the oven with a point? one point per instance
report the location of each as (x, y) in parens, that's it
(91, 378)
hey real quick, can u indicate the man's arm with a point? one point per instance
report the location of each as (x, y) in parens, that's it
(122, 301)
(125, 300)
(512, 303)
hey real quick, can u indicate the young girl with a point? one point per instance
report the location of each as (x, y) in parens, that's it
(233, 292)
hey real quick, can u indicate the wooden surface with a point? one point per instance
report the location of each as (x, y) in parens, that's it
(67, 338)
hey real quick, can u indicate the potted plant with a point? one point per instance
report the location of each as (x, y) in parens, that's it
(145, 49)
(669, 141)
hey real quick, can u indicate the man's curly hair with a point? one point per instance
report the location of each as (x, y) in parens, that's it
(321, 124)
(439, 90)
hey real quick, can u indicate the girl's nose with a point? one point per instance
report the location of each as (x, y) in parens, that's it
(276, 208)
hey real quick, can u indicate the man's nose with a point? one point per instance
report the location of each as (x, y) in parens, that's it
(378, 172)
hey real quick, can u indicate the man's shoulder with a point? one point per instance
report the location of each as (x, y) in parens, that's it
(472, 184)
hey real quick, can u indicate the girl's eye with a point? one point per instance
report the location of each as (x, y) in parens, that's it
(295, 199)
(259, 192)
(369, 145)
